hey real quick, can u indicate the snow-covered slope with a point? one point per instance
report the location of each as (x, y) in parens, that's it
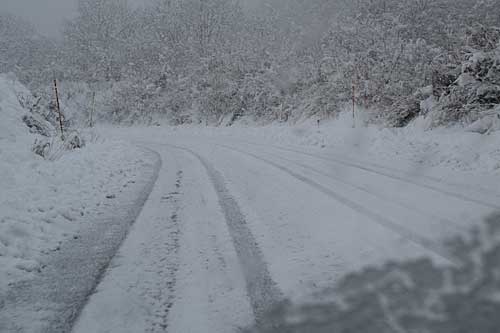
(14, 138)
(45, 202)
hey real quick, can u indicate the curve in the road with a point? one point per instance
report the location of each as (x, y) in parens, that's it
(381, 220)
(447, 223)
(393, 176)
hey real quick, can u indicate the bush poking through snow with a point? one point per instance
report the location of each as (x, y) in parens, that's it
(41, 147)
(470, 90)
(54, 147)
(490, 122)
(402, 112)
(38, 125)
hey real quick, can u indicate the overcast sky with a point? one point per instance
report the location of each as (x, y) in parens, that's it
(46, 15)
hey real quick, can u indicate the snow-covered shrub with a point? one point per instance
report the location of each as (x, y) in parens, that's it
(13, 133)
(53, 148)
(489, 122)
(73, 140)
(41, 147)
(218, 90)
(261, 96)
(472, 88)
(210, 61)
(402, 111)
(35, 117)
(22, 123)
(75, 102)
(38, 125)
(129, 103)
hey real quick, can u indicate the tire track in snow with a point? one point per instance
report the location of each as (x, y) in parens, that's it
(138, 289)
(166, 262)
(262, 290)
(447, 223)
(53, 300)
(379, 219)
(392, 176)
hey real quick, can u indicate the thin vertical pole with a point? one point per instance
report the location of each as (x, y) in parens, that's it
(92, 110)
(58, 107)
(353, 105)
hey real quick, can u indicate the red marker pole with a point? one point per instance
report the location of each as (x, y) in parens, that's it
(353, 105)
(58, 109)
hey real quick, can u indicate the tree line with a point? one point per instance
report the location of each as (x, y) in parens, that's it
(217, 61)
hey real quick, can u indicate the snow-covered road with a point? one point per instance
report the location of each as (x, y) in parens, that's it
(234, 226)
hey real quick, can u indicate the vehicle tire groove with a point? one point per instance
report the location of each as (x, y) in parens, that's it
(262, 290)
(444, 221)
(379, 219)
(392, 176)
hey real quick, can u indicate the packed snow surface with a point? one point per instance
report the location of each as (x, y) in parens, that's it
(302, 206)
(228, 221)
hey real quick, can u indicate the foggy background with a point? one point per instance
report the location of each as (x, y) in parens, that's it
(46, 15)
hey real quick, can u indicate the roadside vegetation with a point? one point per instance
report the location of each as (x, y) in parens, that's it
(216, 61)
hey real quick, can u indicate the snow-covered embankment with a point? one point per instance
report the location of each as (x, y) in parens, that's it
(43, 203)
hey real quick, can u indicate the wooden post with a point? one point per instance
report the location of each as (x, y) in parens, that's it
(92, 110)
(58, 109)
(353, 105)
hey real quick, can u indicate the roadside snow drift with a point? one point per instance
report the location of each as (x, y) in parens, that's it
(45, 202)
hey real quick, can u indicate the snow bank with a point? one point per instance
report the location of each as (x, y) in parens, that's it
(414, 146)
(44, 202)
(14, 138)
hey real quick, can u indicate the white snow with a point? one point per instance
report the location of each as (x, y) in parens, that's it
(177, 267)
(319, 201)
(415, 147)
(45, 202)
(412, 146)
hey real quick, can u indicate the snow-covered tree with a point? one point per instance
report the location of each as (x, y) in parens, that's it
(210, 60)
(96, 40)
